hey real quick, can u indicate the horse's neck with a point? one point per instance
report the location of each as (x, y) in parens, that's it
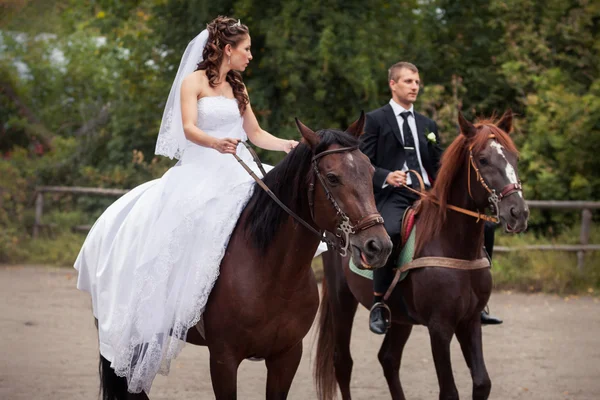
(461, 234)
(294, 247)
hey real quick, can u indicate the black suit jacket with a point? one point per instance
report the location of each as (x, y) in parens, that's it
(382, 143)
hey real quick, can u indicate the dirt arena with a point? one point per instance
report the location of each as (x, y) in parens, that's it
(548, 348)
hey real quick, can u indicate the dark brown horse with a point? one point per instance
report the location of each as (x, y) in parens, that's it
(266, 297)
(447, 301)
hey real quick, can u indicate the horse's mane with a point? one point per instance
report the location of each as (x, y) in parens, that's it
(455, 159)
(289, 182)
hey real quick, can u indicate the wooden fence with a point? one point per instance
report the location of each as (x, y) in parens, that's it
(586, 208)
(39, 202)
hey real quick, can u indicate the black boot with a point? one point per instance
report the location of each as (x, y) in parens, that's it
(379, 318)
(487, 319)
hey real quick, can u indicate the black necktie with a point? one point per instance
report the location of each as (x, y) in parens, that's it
(412, 162)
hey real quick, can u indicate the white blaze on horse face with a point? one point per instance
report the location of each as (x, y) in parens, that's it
(349, 162)
(510, 171)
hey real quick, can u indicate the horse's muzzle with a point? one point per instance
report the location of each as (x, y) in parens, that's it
(372, 251)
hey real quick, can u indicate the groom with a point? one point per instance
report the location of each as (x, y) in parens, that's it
(398, 139)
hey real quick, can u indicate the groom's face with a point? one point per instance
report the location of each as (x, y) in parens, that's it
(406, 88)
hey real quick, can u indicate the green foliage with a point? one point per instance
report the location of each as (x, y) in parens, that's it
(83, 85)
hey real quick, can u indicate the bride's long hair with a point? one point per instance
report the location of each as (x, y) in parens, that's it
(221, 32)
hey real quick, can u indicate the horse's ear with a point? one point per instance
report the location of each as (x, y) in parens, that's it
(311, 138)
(466, 128)
(506, 122)
(357, 127)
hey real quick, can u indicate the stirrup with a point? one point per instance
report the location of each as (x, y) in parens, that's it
(387, 314)
(381, 304)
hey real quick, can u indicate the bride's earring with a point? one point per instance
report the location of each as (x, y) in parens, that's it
(229, 61)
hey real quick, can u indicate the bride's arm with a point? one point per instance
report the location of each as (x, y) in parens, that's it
(191, 89)
(262, 138)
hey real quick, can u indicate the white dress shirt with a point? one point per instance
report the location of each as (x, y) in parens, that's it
(398, 109)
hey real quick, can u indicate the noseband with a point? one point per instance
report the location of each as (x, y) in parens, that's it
(344, 227)
(494, 199)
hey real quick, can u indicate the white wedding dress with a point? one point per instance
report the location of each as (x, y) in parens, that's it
(152, 258)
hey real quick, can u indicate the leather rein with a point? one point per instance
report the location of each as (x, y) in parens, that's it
(494, 199)
(344, 228)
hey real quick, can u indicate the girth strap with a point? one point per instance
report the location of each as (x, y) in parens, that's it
(443, 262)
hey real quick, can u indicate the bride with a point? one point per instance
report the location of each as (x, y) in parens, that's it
(152, 258)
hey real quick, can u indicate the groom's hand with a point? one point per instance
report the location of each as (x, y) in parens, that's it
(396, 178)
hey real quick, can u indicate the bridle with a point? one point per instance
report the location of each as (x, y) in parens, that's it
(344, 227)
(494, 199)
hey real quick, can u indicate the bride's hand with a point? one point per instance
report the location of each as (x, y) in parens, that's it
(289, 145)
(226, 145)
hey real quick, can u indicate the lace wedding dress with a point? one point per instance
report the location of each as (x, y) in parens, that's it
(152, 258)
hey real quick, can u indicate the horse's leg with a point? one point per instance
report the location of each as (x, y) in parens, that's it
(440, 336)
(469, 337)
(344, 319)
(223, 374)
(390, 356)
(281, 370)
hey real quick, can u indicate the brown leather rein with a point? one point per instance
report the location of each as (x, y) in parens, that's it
(494, 198)
(345, 228)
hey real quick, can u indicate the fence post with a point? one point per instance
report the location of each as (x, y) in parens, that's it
(584, 237)
(39, 208)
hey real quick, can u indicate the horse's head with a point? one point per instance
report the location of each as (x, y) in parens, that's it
(494, 180)
(341, 193)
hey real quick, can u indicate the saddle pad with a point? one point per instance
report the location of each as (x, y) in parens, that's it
(408, 222)
(406, 256)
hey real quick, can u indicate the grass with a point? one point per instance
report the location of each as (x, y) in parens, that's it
(547, 271)
(528, 271)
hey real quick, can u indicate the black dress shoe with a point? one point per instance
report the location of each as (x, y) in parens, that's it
(487, 319)
(379, 318)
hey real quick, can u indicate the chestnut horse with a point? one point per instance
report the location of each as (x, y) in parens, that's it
(266, 297)
(478, 165)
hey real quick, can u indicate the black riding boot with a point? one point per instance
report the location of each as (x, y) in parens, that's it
(380, 316)
(487, 319)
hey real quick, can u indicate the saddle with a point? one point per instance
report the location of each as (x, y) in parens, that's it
(408, 222)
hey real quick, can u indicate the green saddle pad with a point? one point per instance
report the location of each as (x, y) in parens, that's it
(405, 257)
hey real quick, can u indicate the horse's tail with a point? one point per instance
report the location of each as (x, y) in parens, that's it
(324, 370)
(112, 387)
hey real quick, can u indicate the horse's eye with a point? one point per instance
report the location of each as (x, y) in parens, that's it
(483, 161)
(333, 179)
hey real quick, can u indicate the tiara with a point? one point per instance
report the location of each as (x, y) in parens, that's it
(237, 23)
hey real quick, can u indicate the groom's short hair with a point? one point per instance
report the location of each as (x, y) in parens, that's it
(395, 69)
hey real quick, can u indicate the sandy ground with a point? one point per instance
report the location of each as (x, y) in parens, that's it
(548, 348)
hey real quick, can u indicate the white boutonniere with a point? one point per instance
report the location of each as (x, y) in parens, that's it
(431, 137)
